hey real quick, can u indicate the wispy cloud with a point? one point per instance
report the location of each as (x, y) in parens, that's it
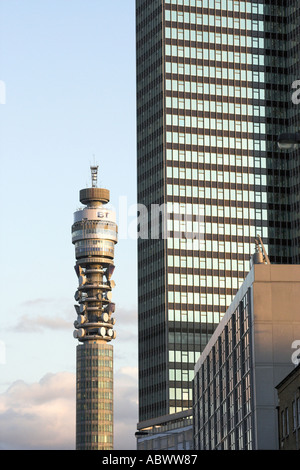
(60, 315)
(125, 315)
(126, 324)
(41, 302)
(28, 323)
(41, 314)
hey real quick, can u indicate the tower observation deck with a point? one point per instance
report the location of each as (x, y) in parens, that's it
(94, 234)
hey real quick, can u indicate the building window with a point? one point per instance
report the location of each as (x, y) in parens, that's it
(294, 407)
(282, 424)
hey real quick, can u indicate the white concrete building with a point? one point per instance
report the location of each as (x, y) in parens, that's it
(250, 352)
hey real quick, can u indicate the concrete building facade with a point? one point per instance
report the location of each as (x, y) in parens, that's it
(250, 352)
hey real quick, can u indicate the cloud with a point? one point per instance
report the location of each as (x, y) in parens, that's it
(41, 302)
(126, 408)
(32, 320)
(41, 415)
(126, 325)
(28, 323)
(125, 316)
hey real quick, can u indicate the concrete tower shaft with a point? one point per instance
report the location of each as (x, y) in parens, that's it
(94, 234)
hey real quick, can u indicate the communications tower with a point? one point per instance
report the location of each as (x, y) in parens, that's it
(94, 234)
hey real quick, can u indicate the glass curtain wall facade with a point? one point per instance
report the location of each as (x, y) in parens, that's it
(293, 118)
(281, 25)
(212, 93)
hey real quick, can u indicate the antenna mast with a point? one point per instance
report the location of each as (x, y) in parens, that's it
(94, 174)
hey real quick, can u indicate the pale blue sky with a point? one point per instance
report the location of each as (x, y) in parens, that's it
(69, 71)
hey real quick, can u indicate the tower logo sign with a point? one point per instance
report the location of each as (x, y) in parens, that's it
(103, 214)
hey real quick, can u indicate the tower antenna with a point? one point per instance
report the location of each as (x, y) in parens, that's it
(94, 175)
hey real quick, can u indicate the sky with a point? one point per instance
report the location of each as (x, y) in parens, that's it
(67, 100)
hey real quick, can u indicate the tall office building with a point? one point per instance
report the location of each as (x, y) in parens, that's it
(213, 93)
(281, 23)
(94, 234)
